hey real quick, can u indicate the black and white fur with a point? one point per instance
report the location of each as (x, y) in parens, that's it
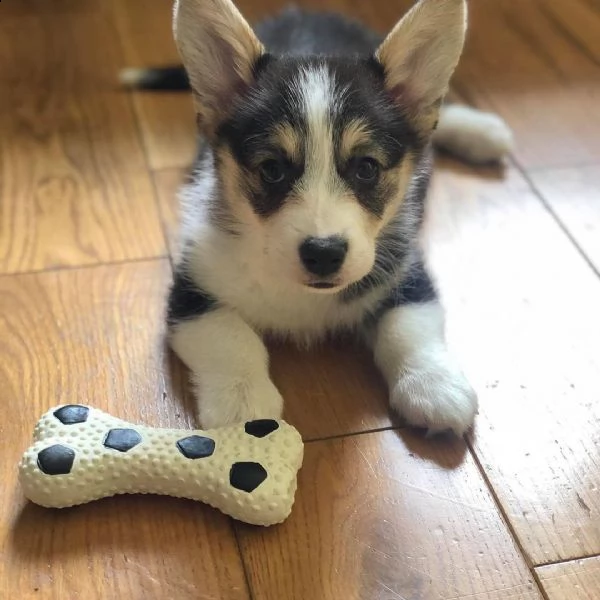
(332, 244)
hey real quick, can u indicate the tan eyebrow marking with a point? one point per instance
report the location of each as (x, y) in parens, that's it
(355, 133)
(288, 138)
(357, 136)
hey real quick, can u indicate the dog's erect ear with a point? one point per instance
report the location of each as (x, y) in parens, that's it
(421, 53)
(219, 51)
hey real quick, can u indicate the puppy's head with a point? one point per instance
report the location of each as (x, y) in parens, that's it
(314, 155)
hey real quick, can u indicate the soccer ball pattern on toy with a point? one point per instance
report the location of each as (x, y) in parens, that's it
(81, 454)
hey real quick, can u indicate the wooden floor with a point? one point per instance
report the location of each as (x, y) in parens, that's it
(87, 220)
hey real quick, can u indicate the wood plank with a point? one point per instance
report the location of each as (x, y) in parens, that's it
(538, 74)
(332, 389)
(508, 275)
(167, 183)
(166, 119)
(574, 195)
(387, 516)
(96, 336)
(74, 189)
(577, 21)
(574, 580)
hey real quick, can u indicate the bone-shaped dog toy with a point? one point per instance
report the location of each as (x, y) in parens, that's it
(80, 454)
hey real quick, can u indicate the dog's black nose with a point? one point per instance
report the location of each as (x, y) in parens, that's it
(323, 256)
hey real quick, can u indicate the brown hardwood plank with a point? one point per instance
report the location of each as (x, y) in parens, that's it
(166, 118)
(96, 336)
(543, 82)
(574, 196)
(523, 318)
(574, 580)
(330, 390)
(387, 516)
(74, 189)
(167, 183)
(578, 21)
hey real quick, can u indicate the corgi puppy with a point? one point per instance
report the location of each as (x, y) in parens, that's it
(303, 214)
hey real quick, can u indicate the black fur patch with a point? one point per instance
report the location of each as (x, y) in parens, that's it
(392, 248)
(187, 300)
(396, 240)
(368, 101)
(416, 287)
(300, 32)
(292, 31)
(249, 129)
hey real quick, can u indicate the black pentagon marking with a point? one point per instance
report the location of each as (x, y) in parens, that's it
(246, 476)
(196, 446)
(56, 460)
(261, 427)
(122, 439)
(72, 413)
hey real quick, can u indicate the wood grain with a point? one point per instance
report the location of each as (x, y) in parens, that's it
(333, 389)
(574, 196)
(535, 65)
(387, 516)
(574, 580)
(96, 336)
(74, 189)
(576, 21)
(167, 183)
(166, 119)
(523, 318)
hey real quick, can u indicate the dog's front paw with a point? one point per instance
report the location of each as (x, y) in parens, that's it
(229, 401)
(437, 397)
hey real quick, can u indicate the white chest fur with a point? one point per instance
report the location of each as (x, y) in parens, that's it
(226, 268)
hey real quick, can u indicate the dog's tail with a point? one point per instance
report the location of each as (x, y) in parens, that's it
(169, 78)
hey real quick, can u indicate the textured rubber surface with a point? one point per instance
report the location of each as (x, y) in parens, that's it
(247, 476)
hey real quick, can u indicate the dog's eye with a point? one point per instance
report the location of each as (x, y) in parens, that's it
(272, 171)
(366, 170)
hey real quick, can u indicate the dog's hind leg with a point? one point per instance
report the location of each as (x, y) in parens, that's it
(472, 135)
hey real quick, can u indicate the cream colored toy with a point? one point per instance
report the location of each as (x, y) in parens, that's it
(80, 454)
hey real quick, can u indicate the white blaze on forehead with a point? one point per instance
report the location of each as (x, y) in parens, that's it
(316, 89)
(321, 185)
(321, 204)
